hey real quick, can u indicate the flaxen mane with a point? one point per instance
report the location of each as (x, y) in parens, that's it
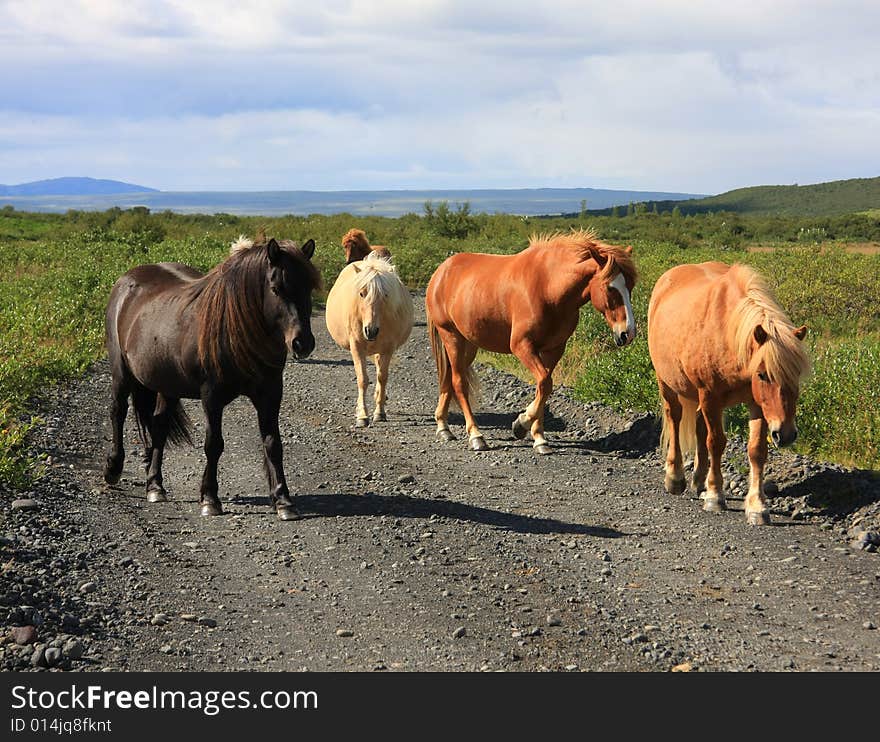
(585, 244)
(378, 277)
(229, 307)
(783, 354)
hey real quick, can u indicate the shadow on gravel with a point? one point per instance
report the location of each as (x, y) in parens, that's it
(641, 437)
(404, 506)
(324, 361)
(504, 420)
(837, 493)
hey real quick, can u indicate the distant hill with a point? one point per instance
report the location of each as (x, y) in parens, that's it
(72, 187)
(819, 199)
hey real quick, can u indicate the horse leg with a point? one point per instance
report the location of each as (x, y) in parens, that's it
(363, 381)
(713, 413)
(461, 355)
(120, 390)
(441, 413)
(267, 406)
(756, 505)
(701, 456)
(214, 445)
(541, 366)
(159, 434)
(672, 410)
(383, 361)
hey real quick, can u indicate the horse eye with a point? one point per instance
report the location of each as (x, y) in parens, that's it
(762, 376)
(364, 293)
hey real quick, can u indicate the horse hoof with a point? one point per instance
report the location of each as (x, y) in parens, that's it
(714, 505)
(381, 418)
(761, 518)
(674, 486)
(112, 478)
(287, 512)
(519, 430)
(211, 508)
(543, 449)
(698, 485)
(446, 436)
(362, 422)
(479, 444)
(157, 495)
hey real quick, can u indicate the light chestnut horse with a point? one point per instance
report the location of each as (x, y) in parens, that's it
(525, 304)
(357, 247)
(370, 312)
(718, 338)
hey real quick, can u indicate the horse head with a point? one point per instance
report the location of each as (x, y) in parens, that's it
(287, 303)
(356, 245)
(775, 380)
(610, 291)
(370, 294)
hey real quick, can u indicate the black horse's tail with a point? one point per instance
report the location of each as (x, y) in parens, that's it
(179, 424)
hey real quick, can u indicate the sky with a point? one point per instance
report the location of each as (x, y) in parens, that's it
(674, 95)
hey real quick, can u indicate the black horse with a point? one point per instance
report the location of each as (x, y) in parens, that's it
(175, 333)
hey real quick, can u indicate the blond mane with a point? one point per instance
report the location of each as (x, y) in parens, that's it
(783, 354)
(378, 277)
(585, 244)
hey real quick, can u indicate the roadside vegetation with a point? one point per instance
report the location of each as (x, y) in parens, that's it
(56, 272)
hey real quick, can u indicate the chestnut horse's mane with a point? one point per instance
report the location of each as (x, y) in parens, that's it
(356, 239)
(229, 307)
(585, 244)
(783, 353)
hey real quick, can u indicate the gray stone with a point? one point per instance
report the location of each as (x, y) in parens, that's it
(25, 503)
(459, 632)
(73, 649)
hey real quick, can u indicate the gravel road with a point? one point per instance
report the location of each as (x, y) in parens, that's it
(418, 555)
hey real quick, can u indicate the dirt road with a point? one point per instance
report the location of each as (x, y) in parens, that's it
(417, 555)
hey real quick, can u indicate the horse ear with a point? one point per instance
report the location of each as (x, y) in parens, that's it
(308, 249)
(801, 332)
(356, 267)
(760, 335)
(273, 251)
(628, 249)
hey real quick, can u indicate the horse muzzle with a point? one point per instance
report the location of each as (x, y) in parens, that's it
(371, 332)
(624, 336)
(302, 346)
(783, 435)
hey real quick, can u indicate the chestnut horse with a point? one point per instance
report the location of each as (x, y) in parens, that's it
(174, 333)
(370, 312)
(718, 338)
(357, 247)
(525, 304)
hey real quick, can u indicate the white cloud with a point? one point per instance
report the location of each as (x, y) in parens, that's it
(390, 93)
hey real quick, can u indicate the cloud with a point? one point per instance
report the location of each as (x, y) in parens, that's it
(373, 94)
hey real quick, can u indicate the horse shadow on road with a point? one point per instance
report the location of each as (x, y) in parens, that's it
(834, 492)
(406, 506)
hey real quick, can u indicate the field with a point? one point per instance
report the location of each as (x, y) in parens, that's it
(56, 272)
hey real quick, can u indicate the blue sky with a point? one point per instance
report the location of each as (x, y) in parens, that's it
(371, 94)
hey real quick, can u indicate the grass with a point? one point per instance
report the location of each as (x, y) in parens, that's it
(56, 272)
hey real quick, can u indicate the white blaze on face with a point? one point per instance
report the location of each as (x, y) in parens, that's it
(619, 283)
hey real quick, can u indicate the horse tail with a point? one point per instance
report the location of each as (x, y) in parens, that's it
(444, 376)
(179, 424)
(687, 429)
(441, 358)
